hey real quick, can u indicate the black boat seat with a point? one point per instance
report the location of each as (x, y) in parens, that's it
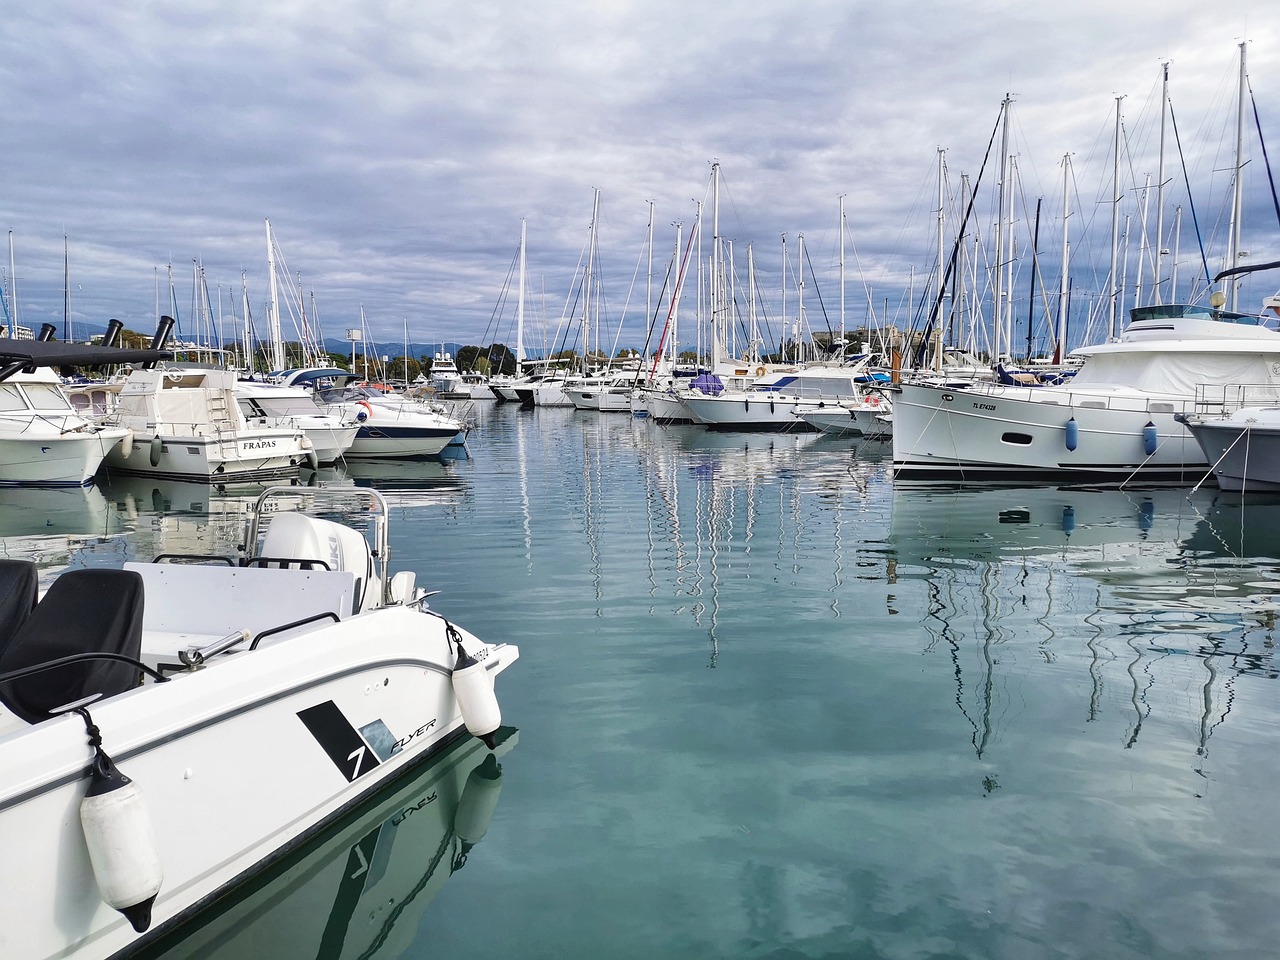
(19, 582)
(84, 611)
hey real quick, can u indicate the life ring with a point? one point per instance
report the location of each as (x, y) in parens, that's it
(761, 371)
(874, 401)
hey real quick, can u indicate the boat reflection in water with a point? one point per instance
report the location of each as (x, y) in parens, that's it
(361, 887)
(1194, 549)
(1179, 591)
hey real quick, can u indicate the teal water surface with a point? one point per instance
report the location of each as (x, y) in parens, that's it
(770, 705)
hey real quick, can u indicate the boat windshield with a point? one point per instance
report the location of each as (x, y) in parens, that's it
(1175, 311)
(46, 396)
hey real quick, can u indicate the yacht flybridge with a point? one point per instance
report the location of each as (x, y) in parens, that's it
(170, 729)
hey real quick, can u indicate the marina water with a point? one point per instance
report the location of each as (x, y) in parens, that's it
(771, 705)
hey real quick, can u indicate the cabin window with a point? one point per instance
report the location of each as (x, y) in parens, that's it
(46, 396)
(1021, 439)
(1160, 407)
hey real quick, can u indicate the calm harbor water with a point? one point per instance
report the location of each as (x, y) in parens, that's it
(771, 705)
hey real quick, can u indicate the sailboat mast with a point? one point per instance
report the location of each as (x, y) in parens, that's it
(942, 225)
(1157, 266)
(66, 290)
(998, 325)
(1060, 341)
(588, 286)
(273, 306)
(1238, 197)
(1115, 226)
(520, 307)
(842, 327)
(717, 268)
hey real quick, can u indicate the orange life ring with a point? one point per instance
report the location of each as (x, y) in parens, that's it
(874, 401)
(761, 371)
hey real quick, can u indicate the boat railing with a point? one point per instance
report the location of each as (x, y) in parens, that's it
(1226, 398)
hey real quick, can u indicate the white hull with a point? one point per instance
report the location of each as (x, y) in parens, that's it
(1005, 433)
(252, 455)
(550, 393)
(667, 408)
(745, 412)
(1243, 450)
(54, 460)
(403, 846)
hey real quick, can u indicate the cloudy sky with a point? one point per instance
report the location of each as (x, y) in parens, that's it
(396, 146)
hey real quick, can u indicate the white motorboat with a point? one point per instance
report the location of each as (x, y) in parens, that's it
(775, 400)
(279, 688)
(270, 404)
(1115, 419)
(1242, 447)
(869, 416)
(187, 425)
(44, 440)
(391, 426)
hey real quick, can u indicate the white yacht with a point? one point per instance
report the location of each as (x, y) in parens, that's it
(775, 399)
(270, 404)
(44, 440)
(1115, 419)
(187, 425)
(391, 426)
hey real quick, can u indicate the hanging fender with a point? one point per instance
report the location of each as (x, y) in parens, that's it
(1072, 437)
(119, 837)
(157, 448)
(366, 413)
(473, 689)
(1150, 438)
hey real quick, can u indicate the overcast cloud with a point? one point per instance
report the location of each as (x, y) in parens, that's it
(395, 146)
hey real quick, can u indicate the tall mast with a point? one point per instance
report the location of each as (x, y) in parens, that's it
(1158, 264)
(520, 306)
(717, 268)
(588, 287)
(648, 281)
(841, 218)
(273, 306)
(998, 325)
(1115, 227)
(1060, 344)
(942, 224)
(754, 346)
(66, 291)
(1237, 201)
(13, 293)
(796, 327)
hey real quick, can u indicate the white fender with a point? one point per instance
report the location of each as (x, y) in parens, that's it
(473, 688)
(121, 842)
(126, 445)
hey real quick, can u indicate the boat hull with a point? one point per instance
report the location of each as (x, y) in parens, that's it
(325, 717)
(1244, 450)
(1008, 433)
(55, 460)
(251, 456)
